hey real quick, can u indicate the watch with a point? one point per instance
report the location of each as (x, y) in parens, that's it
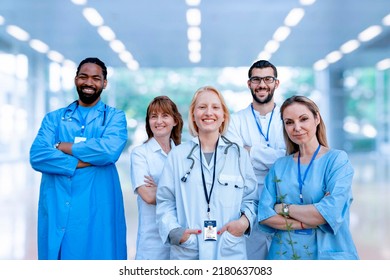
(285, 209)
(56, 145)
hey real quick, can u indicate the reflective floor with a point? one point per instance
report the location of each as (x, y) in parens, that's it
(19, 187)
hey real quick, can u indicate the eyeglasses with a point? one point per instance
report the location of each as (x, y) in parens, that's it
(257, 80)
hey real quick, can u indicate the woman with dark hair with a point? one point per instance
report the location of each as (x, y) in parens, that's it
(164, 126)
(307, 194)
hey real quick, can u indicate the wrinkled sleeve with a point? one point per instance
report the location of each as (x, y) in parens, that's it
(263, 157)
(44, 157)
(106, 149)
(250, 200)
(335, 206)
(166, 214)
(267, 200)
(139, 167)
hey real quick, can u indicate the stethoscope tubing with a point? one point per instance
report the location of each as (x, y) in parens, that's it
(230, 144)
(77, 105)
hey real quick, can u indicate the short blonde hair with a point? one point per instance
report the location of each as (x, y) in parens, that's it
(193, 128)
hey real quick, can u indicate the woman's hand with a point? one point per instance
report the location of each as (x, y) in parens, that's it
(148, 190)
(187, 233)
(149, 182)
(236, 227)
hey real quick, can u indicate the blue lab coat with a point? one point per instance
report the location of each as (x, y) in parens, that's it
(81, 211)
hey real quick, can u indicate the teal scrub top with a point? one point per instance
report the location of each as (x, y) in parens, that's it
(331, 173)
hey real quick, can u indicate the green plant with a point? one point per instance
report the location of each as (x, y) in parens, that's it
(281, 198)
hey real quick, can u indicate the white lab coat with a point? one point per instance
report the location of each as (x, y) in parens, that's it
(183, 204)
(148, 159)
(244, 131)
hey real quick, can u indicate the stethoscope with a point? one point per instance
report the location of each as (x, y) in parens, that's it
(229, 144)
(69, 118)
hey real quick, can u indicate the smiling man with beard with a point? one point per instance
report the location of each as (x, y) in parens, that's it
(81, 211)
(259, 129)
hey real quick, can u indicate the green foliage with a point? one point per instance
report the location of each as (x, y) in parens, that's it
(294, 255)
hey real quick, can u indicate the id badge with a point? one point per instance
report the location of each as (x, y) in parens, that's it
(210, 230)
(78, 139)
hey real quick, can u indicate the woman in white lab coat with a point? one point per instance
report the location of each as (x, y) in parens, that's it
(164, 126)
(207, 194)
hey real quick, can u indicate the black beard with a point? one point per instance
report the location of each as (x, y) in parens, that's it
(268, 99)
(90, 98)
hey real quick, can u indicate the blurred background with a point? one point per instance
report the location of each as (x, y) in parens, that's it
(336, 52)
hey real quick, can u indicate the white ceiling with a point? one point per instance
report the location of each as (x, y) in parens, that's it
(233, 32)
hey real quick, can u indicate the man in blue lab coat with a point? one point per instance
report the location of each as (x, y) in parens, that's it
(81, 211)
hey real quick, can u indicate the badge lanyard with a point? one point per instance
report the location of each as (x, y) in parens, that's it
(266, 137)
(208, 196)
(300, 180)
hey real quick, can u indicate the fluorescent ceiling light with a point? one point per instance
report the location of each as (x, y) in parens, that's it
(194, 46)
(39, 46)
(93, 16)
(69, 64)
(370, 33)
(271, 46)
(55, 56)
(320, 65)
(264, 55)
(79, 2)
(193, 17)
(17, 33)
(294, 17)
(106, 33)
(383, 64)
(281, 33)
(125, 56)
(349, 46)
(193, 2)
(386, 20)
(307, 2)
(117, 46)
(195, 57)
(333, 56)
(133, 65)
(194, 33)
(2, 20)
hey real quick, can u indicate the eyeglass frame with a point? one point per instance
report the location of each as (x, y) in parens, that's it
(262, 79)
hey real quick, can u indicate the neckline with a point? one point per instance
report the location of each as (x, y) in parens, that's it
(319, 156)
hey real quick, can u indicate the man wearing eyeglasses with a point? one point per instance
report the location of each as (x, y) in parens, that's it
(259, 129)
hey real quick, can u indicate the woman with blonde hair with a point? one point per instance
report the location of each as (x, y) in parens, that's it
(308, 193)
(206, 196)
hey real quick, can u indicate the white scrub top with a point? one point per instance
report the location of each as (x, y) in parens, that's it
(148, 159)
